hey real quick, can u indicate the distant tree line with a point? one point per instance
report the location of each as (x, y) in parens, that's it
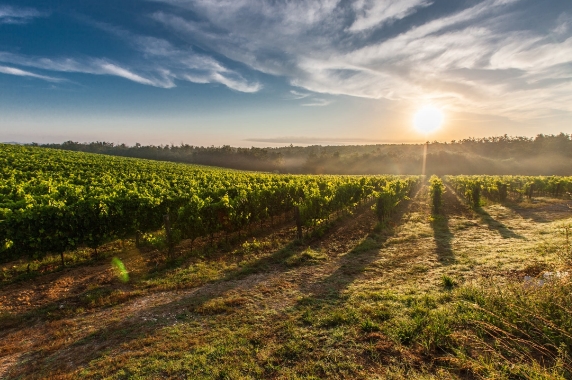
(541, 155)
(263, 159)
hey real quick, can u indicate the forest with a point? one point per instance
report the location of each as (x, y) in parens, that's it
(541, 155)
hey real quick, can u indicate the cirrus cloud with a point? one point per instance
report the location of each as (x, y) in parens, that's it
(446, 57)
(23, 73)
(15, 15)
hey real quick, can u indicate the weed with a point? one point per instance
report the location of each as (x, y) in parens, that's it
(255, 246)
(565, 250)
(291, 350)
(338, 317)
(369, 326)
(379, 313)
(366, 245)
(220, 305)
(406, 330)
(156, 241)
(306, 257)
(447, 282)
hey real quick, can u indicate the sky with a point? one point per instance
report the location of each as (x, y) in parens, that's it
(276, 72)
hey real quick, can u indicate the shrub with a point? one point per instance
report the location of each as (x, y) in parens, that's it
(436, 190)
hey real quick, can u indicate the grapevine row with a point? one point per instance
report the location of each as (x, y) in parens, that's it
(501, 188)
(55, 201)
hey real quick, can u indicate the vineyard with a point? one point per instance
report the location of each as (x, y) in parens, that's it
(199, 272)
(55, 201)
(503, 188)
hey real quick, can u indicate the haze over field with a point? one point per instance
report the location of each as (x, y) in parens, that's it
(251, 73)
(542, 155)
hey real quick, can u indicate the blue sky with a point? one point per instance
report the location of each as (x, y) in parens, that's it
(267, 73)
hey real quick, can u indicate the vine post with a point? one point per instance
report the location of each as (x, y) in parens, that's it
(169, 235)
(298, 222)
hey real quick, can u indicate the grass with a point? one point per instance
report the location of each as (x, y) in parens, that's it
(24, 270)
(423, 297)
(308, 256)
(448, 282)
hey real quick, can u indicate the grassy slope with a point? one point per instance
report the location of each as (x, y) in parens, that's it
(364, 301)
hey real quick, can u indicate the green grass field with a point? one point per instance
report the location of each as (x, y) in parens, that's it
(423, 296)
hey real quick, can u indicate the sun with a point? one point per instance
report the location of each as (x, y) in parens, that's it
(428, 119)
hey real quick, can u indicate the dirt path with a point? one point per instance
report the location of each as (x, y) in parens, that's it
(411, 254)
(44, 341)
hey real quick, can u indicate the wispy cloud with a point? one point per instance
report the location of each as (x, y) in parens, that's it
(309, 100)
(161, 64)
(317, 102)
(111, 69)
(181, 64)
(563, 24)
(12, 15)
(481, 56)
(238, 84)
(85, 66)
(375, 13)
(22, 73)
(298, 95)
(448, 56)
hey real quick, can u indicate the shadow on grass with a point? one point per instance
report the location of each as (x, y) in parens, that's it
(443, 237)
(66, 307)
(147, 320)
(453, 203)
(493, 224)
(54, 267)
(355, 262)
(187, 252)
(143, 322)
(543, 213)
(352, 265)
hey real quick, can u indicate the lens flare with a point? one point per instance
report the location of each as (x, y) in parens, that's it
(428, 119)
(120, 269)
